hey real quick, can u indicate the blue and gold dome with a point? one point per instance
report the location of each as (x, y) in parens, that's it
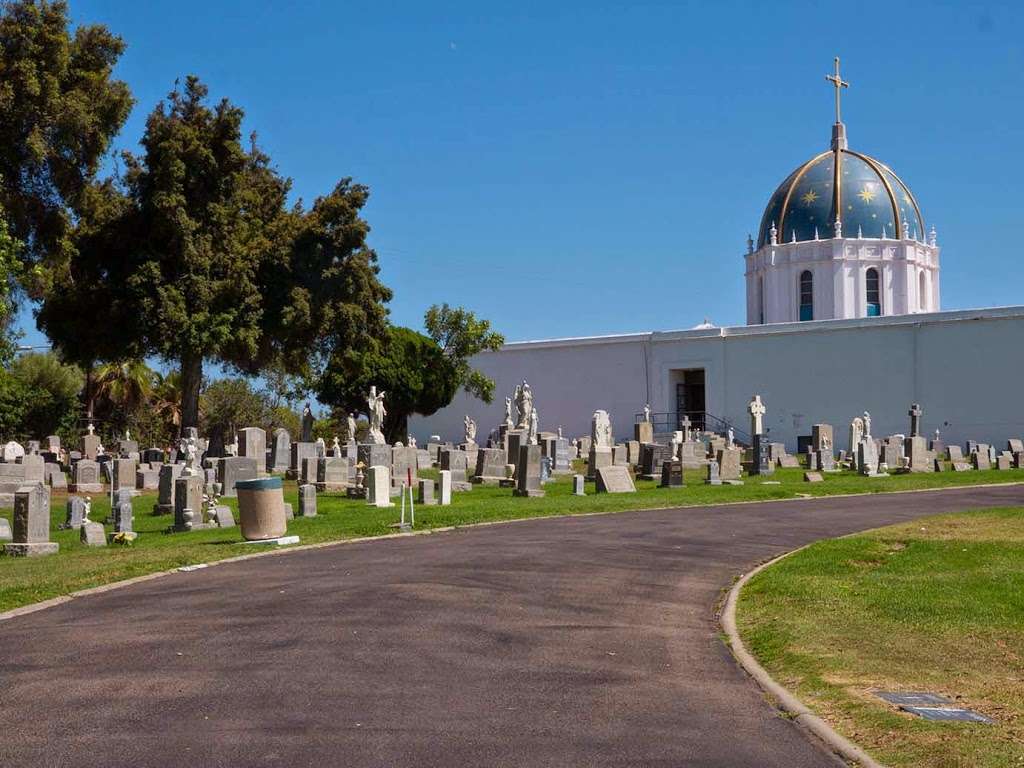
(868, 197)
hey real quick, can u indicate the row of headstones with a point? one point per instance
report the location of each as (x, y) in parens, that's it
(909, 454)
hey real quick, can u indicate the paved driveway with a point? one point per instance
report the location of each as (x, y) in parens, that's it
(587, 641)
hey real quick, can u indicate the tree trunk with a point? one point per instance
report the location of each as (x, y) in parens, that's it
(191, 381)
(89, 398)
(396, 428)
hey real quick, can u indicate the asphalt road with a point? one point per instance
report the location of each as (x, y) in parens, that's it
(587, 641)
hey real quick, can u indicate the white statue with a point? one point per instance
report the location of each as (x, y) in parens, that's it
(321, 448)
(757, 411)
(86, 509)
(856, 433)
(470, 429)
(601, 430)
(647, 412)
(531, 435)
(412, 441)
(375, 410)
(212, 498)
(508, 413)
(731, 437)
(560, 435)
(524, 404)
(189, 448)
(678, 438)
(350, 425)
(127, 434)
(336, 446)
(867, 424)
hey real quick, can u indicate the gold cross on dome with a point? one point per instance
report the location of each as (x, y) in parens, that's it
(839, 84)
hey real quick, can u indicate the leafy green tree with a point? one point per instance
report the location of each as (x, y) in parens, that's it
(461, 334)
(419, 373)
(51, 394)
(230, 404)
(59, 110)
(14, 404)
(199, 259)
(10, 275)
(283, 416)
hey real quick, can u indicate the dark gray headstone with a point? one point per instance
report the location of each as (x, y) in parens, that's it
(165, 495)
(652, 456)
(527, 471)
(672, 475)
(762, 463)
(948, 714)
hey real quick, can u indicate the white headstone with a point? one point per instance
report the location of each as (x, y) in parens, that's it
(378, 486)
(445, 487)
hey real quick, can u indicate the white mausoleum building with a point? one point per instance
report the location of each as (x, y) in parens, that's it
(843, 316)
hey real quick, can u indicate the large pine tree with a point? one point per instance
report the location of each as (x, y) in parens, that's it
(198, 258)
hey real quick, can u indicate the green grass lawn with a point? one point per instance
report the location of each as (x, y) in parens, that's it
(76, 566)
(934, 605)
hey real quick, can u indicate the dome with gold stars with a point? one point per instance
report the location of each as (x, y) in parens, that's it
(866, 197)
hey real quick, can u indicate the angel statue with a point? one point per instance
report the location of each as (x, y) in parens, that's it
(470, 426)
(375, 410)
(508, 413)
(524, 404)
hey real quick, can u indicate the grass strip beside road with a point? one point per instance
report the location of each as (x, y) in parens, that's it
(75, 567)
(933, 605)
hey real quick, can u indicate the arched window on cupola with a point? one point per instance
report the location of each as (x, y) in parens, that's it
(874, 293)
(806, 295)
(760, 299)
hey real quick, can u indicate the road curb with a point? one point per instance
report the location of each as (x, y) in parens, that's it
(785, 700)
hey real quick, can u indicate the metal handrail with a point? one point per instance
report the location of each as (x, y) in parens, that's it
(668, 421)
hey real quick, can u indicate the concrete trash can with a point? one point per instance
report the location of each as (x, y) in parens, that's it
(261, 508)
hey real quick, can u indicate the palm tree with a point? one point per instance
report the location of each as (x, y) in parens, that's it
(166, 400)
(125, 385)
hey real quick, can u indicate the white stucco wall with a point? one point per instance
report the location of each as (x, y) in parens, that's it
(839, 267)
(965, 368)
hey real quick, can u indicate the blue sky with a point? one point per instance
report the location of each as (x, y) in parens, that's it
(583, 168)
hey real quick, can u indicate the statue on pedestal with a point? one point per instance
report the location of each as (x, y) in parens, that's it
(375, 410)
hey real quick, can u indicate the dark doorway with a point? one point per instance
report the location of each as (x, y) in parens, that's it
(690, 397)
